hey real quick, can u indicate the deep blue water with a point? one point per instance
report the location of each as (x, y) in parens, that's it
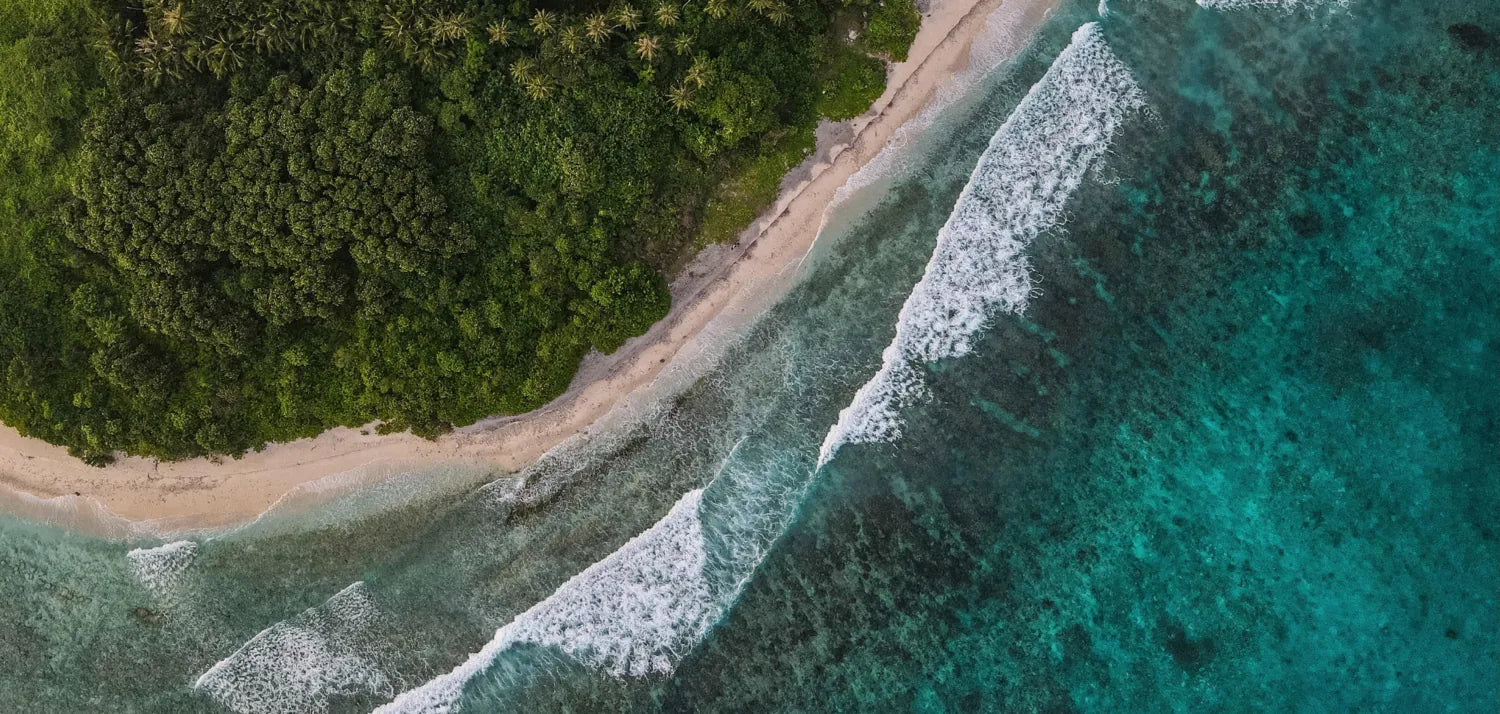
(1239, 449)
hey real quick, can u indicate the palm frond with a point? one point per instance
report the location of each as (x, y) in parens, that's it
(646, 47)
(681, 97)
(500, 33)
(700, 72)
(571, 39)
(597, 28)
(543, 22)
(522, 69)
(628, 17)
(667, 14)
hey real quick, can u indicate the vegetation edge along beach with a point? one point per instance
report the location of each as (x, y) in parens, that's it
(204, 491)
(248, 221)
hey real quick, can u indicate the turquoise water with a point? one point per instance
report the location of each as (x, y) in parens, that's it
(1226, 441)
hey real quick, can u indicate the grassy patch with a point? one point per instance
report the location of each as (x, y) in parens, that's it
(741, 197)
(851, 82)
(892, 27)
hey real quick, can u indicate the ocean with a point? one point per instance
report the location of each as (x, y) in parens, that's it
(1159, 372)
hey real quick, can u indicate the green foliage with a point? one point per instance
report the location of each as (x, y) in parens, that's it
(283, 205)
(241, 221)
(892, 26)
(852, 81)
(623, 304)
(743, 196)
(44, 81)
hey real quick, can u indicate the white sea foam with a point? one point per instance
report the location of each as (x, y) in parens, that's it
(160, 569)
(647, 411)
(640, 609)
(1006, 32)
(1036, 160)
(631, 614)
(1274, 4)
(747, 507)
(300, 664)
(342, 499)
(83, 514)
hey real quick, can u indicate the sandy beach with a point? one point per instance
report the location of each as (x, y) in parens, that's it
(724, 286)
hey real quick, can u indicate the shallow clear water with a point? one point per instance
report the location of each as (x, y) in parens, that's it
(1234, 447)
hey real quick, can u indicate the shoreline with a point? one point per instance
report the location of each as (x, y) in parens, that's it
(724, 288)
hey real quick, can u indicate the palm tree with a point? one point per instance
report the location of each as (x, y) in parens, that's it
(193, 55)
(449, 26)
(156, 66)
(330, 23)
(538, 88)
(107, 37)
(174, 21)
(666, 14)
(265, 38)
(399, 33)
(682, 44)
(543, 22)
(628, 17)
(522, 69)
(428, 57)
(157, 57)
(700, 73)
(597, 28)
(223, 56)
(646, 47)
(149, 45)
(571, 39)
(779, 13)
(500, 33)
(111, 41)
(308, 32)
(681, 97)
(716, 9)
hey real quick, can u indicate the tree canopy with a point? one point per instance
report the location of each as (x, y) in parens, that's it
(241, 221)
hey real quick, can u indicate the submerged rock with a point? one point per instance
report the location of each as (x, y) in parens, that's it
(1471, 36)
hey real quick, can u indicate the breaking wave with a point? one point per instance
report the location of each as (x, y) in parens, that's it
(638, 611)
(159, 569)
(302, 664)
(1274, 4)
(1023, 180)
(630, 614)
(641, 609)
(1005, 35)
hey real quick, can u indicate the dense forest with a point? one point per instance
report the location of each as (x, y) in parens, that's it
(229, 222)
